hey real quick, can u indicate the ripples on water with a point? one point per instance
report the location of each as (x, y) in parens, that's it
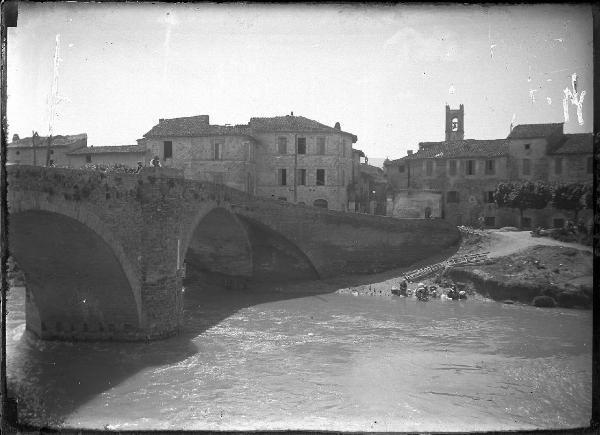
(275, 361)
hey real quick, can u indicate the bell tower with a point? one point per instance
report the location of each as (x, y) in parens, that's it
(455, 127)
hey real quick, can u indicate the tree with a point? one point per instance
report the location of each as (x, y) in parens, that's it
(572, 196)
(523, 196)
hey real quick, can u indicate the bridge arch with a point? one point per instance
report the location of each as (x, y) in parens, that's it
(217, 242)
(66, 247)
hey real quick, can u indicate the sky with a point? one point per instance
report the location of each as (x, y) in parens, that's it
(384, 72)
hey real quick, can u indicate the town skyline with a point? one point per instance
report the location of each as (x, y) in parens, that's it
(344, 64)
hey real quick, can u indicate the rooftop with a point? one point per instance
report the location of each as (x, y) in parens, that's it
(459, 148)
(527, 131)
(194, 126)
(372, 171)
(109, 149)
(580, 143)
(40, 141)
(293, 123)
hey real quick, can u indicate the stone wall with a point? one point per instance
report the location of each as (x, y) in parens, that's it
(125, 158)
(196, 157)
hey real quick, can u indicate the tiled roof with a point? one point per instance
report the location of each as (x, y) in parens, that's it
(195, 126)
(459, 148)
(535, 130)
(580, 143)
(293, 123)
(57, 141)
(372, 171)
(109, 149)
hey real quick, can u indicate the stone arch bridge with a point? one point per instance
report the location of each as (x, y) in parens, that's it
(104, 254)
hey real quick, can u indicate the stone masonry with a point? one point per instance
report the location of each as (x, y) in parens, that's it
(137, 228)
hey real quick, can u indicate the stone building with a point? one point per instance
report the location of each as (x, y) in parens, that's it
(128, 155)
(455, 179)
(290, 158)
(33, 151)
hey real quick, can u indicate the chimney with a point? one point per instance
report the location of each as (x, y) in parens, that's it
(15, 137)
(292, 113)
(409, 152)
(337, 126)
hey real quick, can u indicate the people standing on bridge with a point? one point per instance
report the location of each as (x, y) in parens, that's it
(156, 162)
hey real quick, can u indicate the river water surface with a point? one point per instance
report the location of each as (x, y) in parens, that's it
(339, 362)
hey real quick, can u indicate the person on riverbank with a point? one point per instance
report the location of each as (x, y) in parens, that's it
(155, 162)
(139, 167)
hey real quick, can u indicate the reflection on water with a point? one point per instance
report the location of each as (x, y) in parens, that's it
(269, 361)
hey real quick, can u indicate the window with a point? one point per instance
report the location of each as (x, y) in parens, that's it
(470, 167)
(526, 222)
(343, 148)
(301, 145)
(454, 124)
(18, 152)
(452, 196)
(322, 203)
(321, 146)
(590, 165)
(401, 168)
(527, 146)
(429, 167)
(249, 184)
(218, 151)
(282, 198)
(489, 196)
(282, 177)
(301, 177)
(88, 158)
(51, 152)
(490, 221)
(452, 169)
(490, 167)
(558, 165)
(167, 149)
(320, 177)
(282, 145)
(343, 177)
(558, 223)
(526, 170)
(250, 151)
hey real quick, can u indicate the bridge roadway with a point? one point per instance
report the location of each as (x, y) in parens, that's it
(104, 254)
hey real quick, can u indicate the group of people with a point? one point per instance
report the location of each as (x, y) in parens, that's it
(155, 163)
(423, 292)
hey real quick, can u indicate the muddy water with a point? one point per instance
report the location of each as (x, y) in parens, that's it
(274, 361)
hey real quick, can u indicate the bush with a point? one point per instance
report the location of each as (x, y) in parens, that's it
(544, 302)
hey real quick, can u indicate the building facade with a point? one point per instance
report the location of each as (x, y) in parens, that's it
(34, 150)
(455, 179)
(289, 158)
(127, 155)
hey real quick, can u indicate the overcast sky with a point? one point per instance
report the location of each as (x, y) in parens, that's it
(384, 72)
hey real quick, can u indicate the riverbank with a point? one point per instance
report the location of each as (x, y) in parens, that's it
(519, 269)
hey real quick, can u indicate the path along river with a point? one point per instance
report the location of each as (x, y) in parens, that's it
(328, 361)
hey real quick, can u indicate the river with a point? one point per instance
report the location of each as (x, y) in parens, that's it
(315, 362)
